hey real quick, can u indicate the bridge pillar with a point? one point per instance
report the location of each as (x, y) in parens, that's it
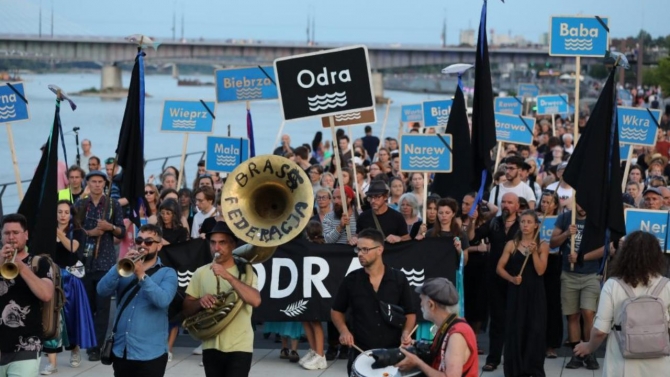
(378, 85)
(175, 71)
(111, 77)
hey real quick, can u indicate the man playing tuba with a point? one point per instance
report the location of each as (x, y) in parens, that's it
(228, 353)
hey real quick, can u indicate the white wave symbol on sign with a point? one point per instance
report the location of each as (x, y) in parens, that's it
(7, 112)
(226, 160)
(579, 44)
(184, 278)
(503, 134)
(249, 93)
(346, 117)
(183, 124)
(424, 162)
(414, 277)
(442, 121)
(327, 101)
(630, 133)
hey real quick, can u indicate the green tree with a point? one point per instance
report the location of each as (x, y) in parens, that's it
(598, 71)
(662, 74)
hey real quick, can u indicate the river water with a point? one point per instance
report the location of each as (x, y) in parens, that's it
(100, 121)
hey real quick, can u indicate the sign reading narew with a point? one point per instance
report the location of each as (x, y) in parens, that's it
(426, 153)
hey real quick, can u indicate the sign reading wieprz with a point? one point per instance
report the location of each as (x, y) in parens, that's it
(638, 125)
(12, 106)
(552, 104)
(425, 153)
(324, 83)
(224, 154)
(508, 105)
(578, 36)
(245, 84)
(436, 113)
(650, 221)
(514, 129)
(188, 116)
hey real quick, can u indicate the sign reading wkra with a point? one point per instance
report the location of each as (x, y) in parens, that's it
(322, 83)
(638, 125)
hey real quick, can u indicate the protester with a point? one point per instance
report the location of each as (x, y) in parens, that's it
(85, 156)
(552, 281)
(653, 198)
(416, 180)
(323, 204)
(328, 180)
(397, 188)
(370, 142)
(94, 164)
(204, 200)
(285, 146)
(169, 221)
(389, 222)
(562, 189)
(75, 189)
(513, 184)
(334, 224)
(636, 174)
(431, 211)
(151, 203)
(409, 208)
(314, 172)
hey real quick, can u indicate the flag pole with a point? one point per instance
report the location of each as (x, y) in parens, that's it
(553, 124)
(386, 118)
(498, 157)
(338, 164)
(357, 191)
(527, 104)
(627, 169)
(183, 161)
(17, 173)
(575, 131)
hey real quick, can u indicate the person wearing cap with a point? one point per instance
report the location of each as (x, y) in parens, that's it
(513, 165)
(363, 291)
(334, 224)
(229, 352)
(140, 333)
(391, 223)
(653, 198)
(580, 282)
(455, 344)
(103, 223)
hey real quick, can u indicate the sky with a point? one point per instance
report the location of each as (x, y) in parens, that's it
(355, 21)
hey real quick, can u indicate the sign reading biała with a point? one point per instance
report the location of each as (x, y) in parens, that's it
(245, 84)
(650, 221)
(12, 107)
(325, 83)
(411, 113)
(578, 36)
(507, 105)
(224, 154)
(514, 129)
(638, 125)
(548, 225)
(552, 104)
(528, 91)
(436, 113)
(425, 153)
(188, 116)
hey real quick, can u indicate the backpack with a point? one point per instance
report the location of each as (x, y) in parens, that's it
(51, 310)
(641, 327)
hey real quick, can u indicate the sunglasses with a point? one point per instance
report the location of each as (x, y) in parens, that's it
(146, 241)
(149, 192)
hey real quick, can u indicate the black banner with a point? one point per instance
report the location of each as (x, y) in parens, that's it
(301, 280)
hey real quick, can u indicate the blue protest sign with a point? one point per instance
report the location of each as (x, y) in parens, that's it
(578, 36)
(411, 113)
(552, 104)
(528, 91)
(638, 125)
(650, 221)
(508, 105)
(245, 84)
(188, 116)
(425, 153)
(514, 129)
(13, 108)
(436, 113)
(223, 154)
(548, 225)
(623, 150)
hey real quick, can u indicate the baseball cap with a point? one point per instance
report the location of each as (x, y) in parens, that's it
(440, 290)
(654, 190)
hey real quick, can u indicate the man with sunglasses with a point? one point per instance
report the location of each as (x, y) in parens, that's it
(390, 223)
(141, 331)
(362, 291)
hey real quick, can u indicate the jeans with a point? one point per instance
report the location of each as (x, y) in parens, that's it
(226, 364)
(141, 368)
(99, 306)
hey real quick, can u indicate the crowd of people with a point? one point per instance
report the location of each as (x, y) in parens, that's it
(516, 286)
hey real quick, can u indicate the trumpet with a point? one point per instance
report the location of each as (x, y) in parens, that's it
(9, 270)
(126, 266)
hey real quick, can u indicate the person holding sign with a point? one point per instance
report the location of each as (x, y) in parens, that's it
(391, 223)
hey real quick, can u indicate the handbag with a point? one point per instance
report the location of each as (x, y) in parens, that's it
(78, 270)
(393, 315)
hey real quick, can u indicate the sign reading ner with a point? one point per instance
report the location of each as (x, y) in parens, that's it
(578, 36)
(323, 83)
(650, 221)
(426, 153)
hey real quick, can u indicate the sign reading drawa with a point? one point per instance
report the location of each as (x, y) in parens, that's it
(425, 153)
(188, 116)
(223, 154)
(578, 36)
(328, 82)
(638, 126)
(514, 129)
(245, 84)
(12, 107)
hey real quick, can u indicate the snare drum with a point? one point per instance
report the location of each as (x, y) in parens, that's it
(362, 367)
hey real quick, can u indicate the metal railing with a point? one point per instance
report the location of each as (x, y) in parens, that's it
(149, 165)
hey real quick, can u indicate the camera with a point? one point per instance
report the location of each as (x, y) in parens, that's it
(76, 129)
(385, 357)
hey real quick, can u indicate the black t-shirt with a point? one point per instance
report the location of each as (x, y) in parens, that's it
(177, 235)
(356, 292)
(370, 143)
(64, 257)
(392, 222)
(21, 322)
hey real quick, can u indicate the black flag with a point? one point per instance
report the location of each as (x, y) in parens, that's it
(593, 171)
(39, 204)
(457, 183)
(483, 120)
(130, 150)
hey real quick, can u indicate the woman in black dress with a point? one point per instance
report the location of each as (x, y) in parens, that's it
(169, 220)
(525, 343)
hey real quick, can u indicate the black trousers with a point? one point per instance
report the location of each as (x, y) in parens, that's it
(140, 368)
(99, 305)
(226, 364)
(552, 289)
(497, 315)
(333, 335)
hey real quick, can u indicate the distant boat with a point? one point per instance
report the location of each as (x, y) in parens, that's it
(5, 76)
(193, 82)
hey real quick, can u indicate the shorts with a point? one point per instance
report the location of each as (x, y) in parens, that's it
(21, 368)
(579, 291)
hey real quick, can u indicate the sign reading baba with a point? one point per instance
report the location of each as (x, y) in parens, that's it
(188, 116)
(425, 153)
(328, 82)
(578, 36)
(12, 107)
(245, 84)
(637, 125)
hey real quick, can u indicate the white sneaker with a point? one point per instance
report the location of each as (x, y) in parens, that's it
(307, 356)
(75, 359)
(169, 356)
(201, 364)
(49, 369)
(198, 350)
(315, 363)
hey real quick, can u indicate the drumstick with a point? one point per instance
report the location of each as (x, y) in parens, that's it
(413, 330)
(360, 350)
(534, 237)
